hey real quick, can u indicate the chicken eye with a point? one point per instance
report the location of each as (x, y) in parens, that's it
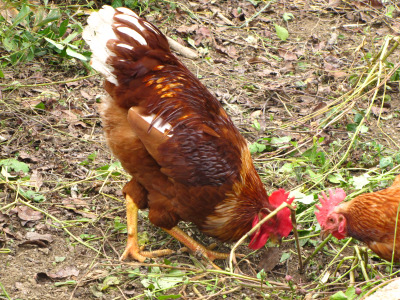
(330, 220)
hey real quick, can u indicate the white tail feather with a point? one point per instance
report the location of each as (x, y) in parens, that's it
(133, 34)
(96, 34)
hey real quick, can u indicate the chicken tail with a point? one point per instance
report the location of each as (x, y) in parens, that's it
(124, 46)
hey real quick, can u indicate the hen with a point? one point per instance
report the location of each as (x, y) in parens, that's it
(187, 159)
(370, 218)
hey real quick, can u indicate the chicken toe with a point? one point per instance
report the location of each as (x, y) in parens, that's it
(195, 246)
(132, 249)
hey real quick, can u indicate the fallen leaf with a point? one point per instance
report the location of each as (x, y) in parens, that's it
(16, 235)
(29, 157)
(69, 116)
(79, 206)
(287, 55)
(378, 110)
(3, 217)
(31, 236)
(287, 67)
(229, 50)
(187, 29)
(319, 106)
(257, 59)
(36, 179)
(8, 13)
(86, 95)
(368, 3)
(324, 90)
(334, 3)
(64, 273)
(270, 259)
(26, 213)
(43, 277)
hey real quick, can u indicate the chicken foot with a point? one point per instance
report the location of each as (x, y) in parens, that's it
(195, 246)
(132, 248)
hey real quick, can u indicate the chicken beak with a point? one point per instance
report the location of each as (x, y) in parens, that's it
(275, 239)
(324, 234)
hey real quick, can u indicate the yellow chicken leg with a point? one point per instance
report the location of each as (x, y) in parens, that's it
(132, 247)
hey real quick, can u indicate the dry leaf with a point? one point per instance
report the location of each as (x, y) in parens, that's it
(378, 110)
(78, 206)
(270, 259)
(229, 50)
(36, 179)
(29, 157)
(31, 236)
(257, 59)
(187, 29)
(287, 55)
(64, 273)
(27, 214)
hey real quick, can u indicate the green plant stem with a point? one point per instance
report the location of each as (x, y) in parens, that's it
(9, 205)
(362, 264)
(337, 255)
(4, 291)
(353, 266)
(296, 236)
(320, 246)
(394, 240)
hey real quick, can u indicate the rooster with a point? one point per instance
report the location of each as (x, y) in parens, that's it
(187, 159)
(370, 218)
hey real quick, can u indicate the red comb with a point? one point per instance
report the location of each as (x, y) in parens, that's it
(278, 197)
(327, 204)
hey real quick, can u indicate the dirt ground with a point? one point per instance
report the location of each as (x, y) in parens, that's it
(65, 242)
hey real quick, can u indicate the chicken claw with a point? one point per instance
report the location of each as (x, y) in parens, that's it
(132, 249)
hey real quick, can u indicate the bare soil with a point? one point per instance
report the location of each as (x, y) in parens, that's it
(256, 76)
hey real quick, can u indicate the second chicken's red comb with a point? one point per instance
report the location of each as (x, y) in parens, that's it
(328, 203)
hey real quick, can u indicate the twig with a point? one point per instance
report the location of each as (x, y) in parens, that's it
(196, 291)
(221, 293)
(296, 236)
(9, 205)
(185, 51)
(17, 86)
(265, 287)
(108, 242)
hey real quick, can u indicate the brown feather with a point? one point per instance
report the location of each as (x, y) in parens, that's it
(199, 169)
(371, 218)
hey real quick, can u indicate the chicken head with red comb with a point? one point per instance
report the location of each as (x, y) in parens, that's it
(275, 228)
(330, 220)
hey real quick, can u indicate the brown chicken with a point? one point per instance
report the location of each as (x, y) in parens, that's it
(370, 218)
(187, 159)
